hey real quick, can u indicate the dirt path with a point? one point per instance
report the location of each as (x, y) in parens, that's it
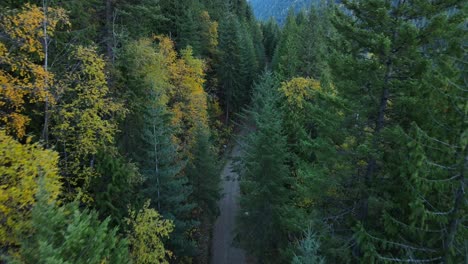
(223, 252)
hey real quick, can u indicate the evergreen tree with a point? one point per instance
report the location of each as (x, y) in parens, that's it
(203, 174)
(308, 250)
(323, 152)
(267, 214)
(286, 60)
(115, 189)
(140, 18)
(389, 52)
(165, 183)
(229, 67)
(316, 32)
(64, 234)
(271, 37)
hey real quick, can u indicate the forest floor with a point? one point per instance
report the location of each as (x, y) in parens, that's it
(223, 247)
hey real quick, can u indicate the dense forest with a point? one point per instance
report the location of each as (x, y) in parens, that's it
(278, 9)
(117, 116)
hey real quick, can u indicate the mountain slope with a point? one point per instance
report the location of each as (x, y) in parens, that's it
(264, 9)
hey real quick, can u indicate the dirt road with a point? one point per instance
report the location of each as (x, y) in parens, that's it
(223, 252)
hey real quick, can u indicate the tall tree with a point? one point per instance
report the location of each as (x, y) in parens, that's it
(203, 174)
(389, 52)
(267, 214)
(83, 118)
(23, 76)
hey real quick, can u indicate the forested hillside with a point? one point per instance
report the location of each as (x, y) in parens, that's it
(278, 9)
(116, 117)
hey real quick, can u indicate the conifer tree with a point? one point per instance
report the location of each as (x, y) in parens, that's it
(165, 182)
(286, 60)
(203, 174)
(267, 213)
(229, 67)
(150, 138)
(390, 51)
(116, 187)
(64, 234)
(271, 37)
(308, 250)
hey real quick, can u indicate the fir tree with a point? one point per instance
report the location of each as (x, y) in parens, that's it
(64, 234)
(267, 215)
(203, 174)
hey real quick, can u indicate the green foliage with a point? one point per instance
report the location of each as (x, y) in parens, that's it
(267, 212)
(116, 187)
(149, 132)
(286, 60)
(164, 181)
(203, 172)
(64, 234)
(141, 18)
(271, 37)
(308, 249)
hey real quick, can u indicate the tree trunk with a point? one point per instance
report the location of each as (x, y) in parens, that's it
(109, 32)
(45, 131)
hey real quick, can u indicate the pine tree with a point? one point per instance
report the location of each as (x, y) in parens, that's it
(316, 32)
(322, 154)
(141, 18)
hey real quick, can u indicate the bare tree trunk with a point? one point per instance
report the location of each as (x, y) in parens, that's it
(379, 125)
(458, 205)
(45, 131)
(156, 165)
(108, 30)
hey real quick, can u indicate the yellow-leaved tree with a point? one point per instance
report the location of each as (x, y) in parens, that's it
(23, 77)
(298, 90)
(188, 98)
(85, 118)
(21, 167)
(148, 229)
